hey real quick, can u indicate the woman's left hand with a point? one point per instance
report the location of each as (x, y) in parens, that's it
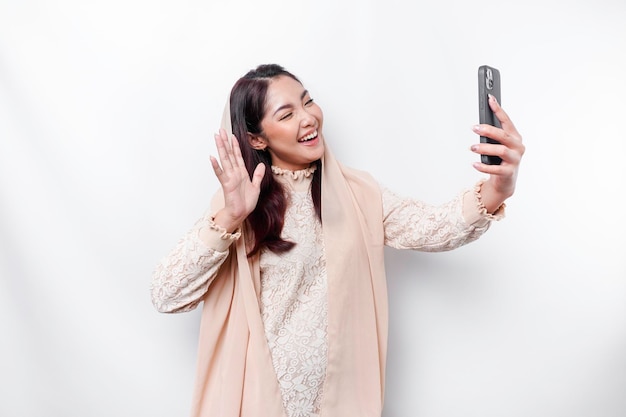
(502, 178)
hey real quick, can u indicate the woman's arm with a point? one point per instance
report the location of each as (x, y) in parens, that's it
(412, 224)
(182, 278)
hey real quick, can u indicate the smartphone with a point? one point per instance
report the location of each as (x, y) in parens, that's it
(488, 83)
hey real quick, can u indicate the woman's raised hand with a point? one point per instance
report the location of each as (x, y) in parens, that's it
(503, 177)
(240, 193)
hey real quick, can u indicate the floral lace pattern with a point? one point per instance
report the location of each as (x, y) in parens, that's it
(411, 224)
(182, 278)
(294, 306)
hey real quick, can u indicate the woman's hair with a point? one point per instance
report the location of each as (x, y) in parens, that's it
(247, 109)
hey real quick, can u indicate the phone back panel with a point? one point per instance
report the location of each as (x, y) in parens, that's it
(488, 83)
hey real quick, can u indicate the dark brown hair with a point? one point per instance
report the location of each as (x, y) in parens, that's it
(247, 109)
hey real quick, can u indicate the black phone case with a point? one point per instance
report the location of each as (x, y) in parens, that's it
(488, 83)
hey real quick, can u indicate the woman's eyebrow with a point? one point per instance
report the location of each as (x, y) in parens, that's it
(287, 106)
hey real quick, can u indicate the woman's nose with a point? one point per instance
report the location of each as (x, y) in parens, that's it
(307, 119)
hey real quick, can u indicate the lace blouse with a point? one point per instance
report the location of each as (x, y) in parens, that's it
(293, 301)
(294, 284)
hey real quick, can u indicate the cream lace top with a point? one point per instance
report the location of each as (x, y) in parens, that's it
(293, 301)
(294, 284)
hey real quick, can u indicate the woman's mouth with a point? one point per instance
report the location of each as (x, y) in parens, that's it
(308, 137)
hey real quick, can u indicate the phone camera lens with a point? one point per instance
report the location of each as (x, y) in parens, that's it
(489, 79)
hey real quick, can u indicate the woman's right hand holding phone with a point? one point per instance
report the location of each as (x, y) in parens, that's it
(503, 177)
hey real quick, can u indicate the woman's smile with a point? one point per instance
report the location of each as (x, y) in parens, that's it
(309, 138)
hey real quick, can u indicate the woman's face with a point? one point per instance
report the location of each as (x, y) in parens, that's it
(291, 127)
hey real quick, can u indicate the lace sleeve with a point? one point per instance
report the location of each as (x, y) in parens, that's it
(181, 279)
(412, 224)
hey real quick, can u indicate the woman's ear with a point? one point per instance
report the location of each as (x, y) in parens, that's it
(257, 142)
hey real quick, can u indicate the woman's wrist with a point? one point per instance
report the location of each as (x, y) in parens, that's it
(215, 236)
(490, 198)
(227, 222)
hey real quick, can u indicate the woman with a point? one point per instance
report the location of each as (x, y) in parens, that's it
(288, 262)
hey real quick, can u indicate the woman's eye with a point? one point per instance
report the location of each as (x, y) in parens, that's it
(285, 116)
(308, 102)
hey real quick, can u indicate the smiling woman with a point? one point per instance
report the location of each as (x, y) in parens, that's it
(288, 262)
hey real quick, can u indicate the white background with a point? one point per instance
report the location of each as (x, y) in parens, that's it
(107, 113)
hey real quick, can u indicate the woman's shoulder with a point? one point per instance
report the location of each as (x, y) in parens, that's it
(359, 176)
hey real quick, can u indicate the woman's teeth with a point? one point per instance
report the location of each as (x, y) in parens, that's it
(308, 137)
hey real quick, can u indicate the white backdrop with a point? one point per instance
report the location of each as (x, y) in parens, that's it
(107, 112)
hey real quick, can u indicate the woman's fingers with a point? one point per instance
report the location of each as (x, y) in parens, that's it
(511, 148)
(503, 117)
(237, 158)
(509, 152)
(216, 167)
(225, 150)
(511, 139)
(501, 170)
(232, 171)
(508, 134)
(258, 174)
(229, 151)
(222, 151)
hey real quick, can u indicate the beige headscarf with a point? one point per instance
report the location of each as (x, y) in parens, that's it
(235, 375)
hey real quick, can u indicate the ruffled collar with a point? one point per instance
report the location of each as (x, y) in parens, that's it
(295, 175)
(299, 180)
